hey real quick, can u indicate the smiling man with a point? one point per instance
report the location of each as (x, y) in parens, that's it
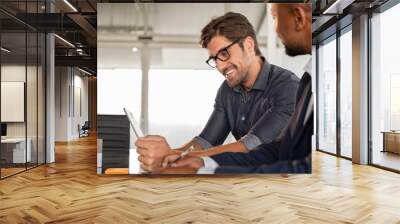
(254, 103)
(292, 154)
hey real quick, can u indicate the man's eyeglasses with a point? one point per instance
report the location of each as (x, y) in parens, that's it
(222, 55)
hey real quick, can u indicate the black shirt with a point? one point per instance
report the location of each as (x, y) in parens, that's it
(254, 117)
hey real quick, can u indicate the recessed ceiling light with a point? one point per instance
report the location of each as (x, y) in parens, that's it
(135, 49)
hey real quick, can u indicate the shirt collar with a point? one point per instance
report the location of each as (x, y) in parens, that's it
(262, 78)
(307, 67)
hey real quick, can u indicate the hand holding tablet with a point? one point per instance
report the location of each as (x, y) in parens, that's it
(134, 164)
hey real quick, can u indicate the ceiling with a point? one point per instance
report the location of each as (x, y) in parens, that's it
(171, 30)
(333, 15)
(104, 34)
(74, 21)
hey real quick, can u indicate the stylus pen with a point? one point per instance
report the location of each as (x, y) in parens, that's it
(184, 153)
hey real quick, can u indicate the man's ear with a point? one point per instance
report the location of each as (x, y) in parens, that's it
(300, 18)
(249, 44)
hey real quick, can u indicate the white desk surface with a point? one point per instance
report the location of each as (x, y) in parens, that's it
(13, 140)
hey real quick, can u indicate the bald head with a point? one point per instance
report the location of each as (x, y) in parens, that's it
(293, 26)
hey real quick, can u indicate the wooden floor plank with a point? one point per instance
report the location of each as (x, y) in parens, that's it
(70, 191)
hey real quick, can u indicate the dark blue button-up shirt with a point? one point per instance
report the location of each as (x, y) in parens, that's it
(254, 117)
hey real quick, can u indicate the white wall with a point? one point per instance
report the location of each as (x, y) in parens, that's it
(33, 126)
(14, 73)
(67, 116)
(61, 103)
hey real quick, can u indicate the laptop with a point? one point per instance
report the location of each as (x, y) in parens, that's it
(134, 164)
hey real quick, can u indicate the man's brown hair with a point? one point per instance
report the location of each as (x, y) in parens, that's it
(233, 26)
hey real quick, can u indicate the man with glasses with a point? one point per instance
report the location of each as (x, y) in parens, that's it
(292, 154)
(254, 103)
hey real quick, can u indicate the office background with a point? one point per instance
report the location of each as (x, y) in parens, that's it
(45, 83)
(68, 189)
(22, 108)
(25, 48)
(358, 86)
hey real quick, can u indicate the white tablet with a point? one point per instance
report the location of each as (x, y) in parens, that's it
(134, 124)
(134, 164)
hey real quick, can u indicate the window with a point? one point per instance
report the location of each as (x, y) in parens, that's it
(327, 96)
(180, 102)
(22, 68)
(119, 88)
(346, 94)
(385, 88)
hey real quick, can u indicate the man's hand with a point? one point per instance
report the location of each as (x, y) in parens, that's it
(152, 149)
(192, 162)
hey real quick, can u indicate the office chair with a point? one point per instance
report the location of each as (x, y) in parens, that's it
(84, 130)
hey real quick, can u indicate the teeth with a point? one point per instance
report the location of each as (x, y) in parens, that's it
(229, 72)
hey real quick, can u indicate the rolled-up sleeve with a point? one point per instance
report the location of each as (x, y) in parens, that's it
(202, 142)
(270, 124)
(217, 127)
(251, 141)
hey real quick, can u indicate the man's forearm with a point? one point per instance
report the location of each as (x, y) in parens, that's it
(231, 147)
(191, 144)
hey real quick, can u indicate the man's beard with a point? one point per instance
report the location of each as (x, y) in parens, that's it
(294, 51)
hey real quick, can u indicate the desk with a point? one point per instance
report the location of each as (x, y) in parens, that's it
(18, 149)
(134, 165)
(391, 141)
(166, 171)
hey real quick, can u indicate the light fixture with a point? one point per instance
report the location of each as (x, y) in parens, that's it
(337, 7)
(70, 5)
(79, 51)
(5, 50)
(64, 40)
(135, 49)
(86, 72)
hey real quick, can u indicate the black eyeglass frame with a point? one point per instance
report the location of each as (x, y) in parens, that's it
(215, 58)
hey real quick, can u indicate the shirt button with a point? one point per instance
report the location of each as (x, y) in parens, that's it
(243, 118)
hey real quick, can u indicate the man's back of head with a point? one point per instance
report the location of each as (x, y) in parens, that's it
(293, 26)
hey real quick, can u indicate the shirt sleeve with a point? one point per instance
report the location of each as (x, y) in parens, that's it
(280, 106)
(251, 141)
(209, 166)
(202, 142)
(217, 127)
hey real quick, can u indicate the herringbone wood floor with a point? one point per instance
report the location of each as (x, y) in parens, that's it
(70, 191)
